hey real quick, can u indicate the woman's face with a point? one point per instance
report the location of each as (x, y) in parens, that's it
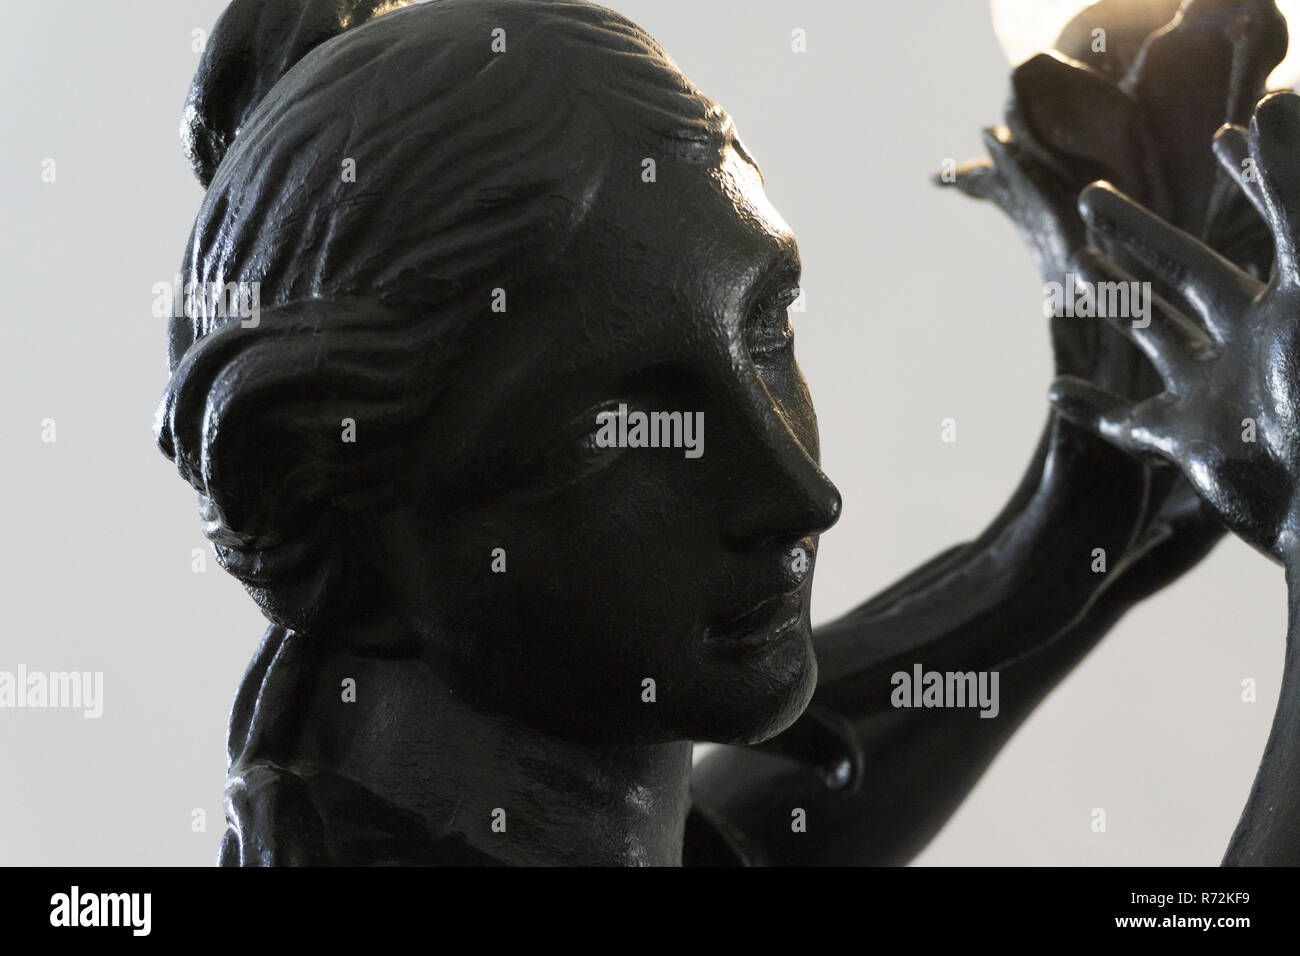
(559, 564)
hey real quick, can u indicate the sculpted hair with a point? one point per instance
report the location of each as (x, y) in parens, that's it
(473, 169)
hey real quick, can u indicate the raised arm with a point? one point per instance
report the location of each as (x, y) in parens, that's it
(1228, 349)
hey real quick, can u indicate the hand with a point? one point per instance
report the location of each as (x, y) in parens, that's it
(1145, 514)
(1040, 198)
(1229, 416)
(1066, 126)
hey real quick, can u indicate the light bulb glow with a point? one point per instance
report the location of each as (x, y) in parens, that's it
(1026, 27)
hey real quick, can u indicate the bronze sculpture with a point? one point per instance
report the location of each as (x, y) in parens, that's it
(495, 637)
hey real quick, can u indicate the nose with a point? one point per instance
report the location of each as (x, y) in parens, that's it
(780, 492)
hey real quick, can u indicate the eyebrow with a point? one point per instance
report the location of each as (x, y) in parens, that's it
(782, 262)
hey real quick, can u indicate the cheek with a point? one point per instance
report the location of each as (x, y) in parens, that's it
(607, 573)
(558, 611)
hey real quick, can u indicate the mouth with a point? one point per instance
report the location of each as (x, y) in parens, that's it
(761, 626)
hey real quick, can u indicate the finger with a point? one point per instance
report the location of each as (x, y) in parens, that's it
(1274, 142)
(997, 140)
(1167, 338)
(988, 179)
(1007, 153)
(1232, 149)
(977, 179)
(1021, 193)
(1110, 416)
(1213, 286)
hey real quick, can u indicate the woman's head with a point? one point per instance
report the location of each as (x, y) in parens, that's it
(490, 235)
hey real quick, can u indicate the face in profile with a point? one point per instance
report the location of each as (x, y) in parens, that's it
(643, 582)
(625, 565)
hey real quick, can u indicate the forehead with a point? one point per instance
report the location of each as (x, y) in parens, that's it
(684, 227)
(662, 274)
(721, 193)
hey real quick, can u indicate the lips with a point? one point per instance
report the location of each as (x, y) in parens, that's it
(760, 626)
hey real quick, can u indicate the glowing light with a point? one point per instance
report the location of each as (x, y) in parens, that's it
(1026, 27)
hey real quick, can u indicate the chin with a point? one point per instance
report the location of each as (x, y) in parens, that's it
(766, 695)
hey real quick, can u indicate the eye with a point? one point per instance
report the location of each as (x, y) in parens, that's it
(768, 333)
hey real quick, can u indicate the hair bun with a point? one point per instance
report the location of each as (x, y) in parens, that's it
(254, 44)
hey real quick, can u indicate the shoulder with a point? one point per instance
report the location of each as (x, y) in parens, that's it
(271, 820)
(277, 817)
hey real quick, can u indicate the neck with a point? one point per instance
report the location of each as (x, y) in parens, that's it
(516, 794)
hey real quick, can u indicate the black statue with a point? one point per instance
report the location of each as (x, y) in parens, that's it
(482, 232)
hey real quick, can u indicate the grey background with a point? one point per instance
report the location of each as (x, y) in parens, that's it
(931, 293)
